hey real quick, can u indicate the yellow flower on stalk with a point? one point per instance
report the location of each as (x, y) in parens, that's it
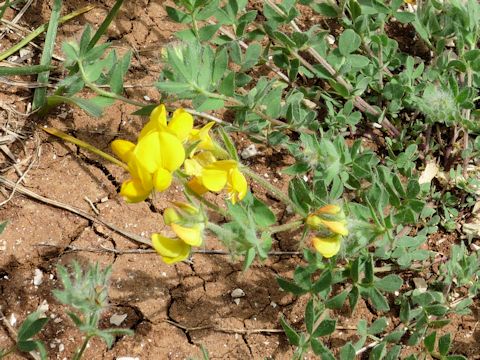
(215, 176)
(171, 250)
(327, 246)
(158, 152)
(189, 229)
(330, 217)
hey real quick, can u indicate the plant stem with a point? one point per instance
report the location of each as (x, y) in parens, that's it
(85, 145)
(273, 190)
(284, 227)
(78, 355)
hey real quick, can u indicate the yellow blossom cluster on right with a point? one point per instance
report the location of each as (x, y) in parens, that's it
(329, 225)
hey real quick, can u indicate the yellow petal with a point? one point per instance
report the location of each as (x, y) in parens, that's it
(329, 209)
(158, 121)
(171, 250)
(186, 207)
(225, 164)
(338, 227)
(173, 153)
(192, 167)
(214, 179)
(205, 158)
(181, 124)
(147, 152)
(314, 222)
(138, 171)
(327, 247)
(123, 149)
(196, 186)
(162, 179)
(202, 135)
(170, 216)
(191, 235)
(239, 186)
(133, 191)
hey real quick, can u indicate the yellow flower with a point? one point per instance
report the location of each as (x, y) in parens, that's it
(329, 217)
(171, 250)
(188, 228)
(215, 176)
(203, 138)
(327, 246)
(158, 152)
(180, 125)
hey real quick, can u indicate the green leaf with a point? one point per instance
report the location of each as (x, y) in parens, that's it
(395, 336)
(292, 335)
(404, 17)
(208, 104)
(324, 9)
(436, 310)
(263, 216)
(429, 341)
(220, 65)
(229, 145)
(444, 344)
(177, 15)
(378, 300)
(309, 316)
(227, 86)
(31, 326)
(393, 353)
(378, 352)
(389, 283)
(249, 257)
(337, 301)
(3, 225)
(290, 287)
(323, 282)
(252, 55)
(207, 32)
(348, 42)
(353, 297)
(347, 352)
(377, 326)
(326, 327)
(368, 271)
(40, 95)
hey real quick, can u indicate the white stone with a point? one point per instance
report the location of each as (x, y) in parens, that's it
(117, 319)
(249, 151)
(38, 277)
(237, 293)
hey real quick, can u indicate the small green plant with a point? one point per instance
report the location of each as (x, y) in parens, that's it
(32, 325)
(86, 291)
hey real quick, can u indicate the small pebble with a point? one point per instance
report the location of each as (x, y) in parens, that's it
(117, 319)
(38, 277)
(249, 151)
(236, 301)
(237, 293)
(13, 319)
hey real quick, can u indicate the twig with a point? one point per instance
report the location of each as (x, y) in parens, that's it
(103, 249)
(22, 177)
(133, 237)
(225, 330)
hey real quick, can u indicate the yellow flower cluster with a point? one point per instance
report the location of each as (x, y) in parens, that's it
(159, 152)
(188, 223)
(329, 225)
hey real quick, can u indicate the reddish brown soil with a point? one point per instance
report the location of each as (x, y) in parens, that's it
(172, 309)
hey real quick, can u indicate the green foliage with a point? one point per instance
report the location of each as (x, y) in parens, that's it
(86, 291)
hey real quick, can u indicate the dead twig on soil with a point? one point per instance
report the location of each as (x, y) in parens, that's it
(225, 330)
(24, 191)
(103, 249)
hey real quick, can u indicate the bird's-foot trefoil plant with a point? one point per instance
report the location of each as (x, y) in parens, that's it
(384, 137)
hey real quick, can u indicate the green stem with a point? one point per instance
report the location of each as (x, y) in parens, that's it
(105, 24)
(284, 227)
(273, 190)
(80, 352)
(40, 30)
